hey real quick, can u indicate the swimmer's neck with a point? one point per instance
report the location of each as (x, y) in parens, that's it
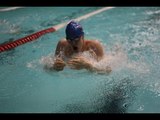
(76, 50)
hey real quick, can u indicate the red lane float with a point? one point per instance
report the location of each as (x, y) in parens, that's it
(24, 40)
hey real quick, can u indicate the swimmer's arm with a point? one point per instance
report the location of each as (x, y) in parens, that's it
(97, 50)
(83, 63)
(93, 68)
(59, 48)
(59, 63)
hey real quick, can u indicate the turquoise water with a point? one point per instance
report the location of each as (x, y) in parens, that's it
(130, 36)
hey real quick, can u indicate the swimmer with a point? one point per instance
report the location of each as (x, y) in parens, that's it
(68, 51)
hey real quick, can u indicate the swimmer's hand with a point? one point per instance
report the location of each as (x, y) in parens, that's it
(79, 62)
(59, 64)
(83, 63)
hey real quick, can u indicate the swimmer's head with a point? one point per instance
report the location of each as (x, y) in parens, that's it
(74, 30)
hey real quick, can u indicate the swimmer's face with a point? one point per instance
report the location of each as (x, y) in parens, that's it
(76, 43)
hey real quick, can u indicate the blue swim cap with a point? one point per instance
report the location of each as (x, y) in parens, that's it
(74, 30)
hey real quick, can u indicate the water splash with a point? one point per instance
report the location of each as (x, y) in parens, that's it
(117, 59)
(47, 61)
(8, 28)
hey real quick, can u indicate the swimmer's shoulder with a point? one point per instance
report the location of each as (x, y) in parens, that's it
(63, 42)
(94, 43)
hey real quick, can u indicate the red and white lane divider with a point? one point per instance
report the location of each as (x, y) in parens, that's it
(36, 35)
(24, 40)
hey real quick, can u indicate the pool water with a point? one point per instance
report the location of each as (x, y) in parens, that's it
(130, 36)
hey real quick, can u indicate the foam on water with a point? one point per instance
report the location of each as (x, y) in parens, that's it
(47, 61)
(117, 59)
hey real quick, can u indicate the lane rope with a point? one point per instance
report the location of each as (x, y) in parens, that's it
(16, 43)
